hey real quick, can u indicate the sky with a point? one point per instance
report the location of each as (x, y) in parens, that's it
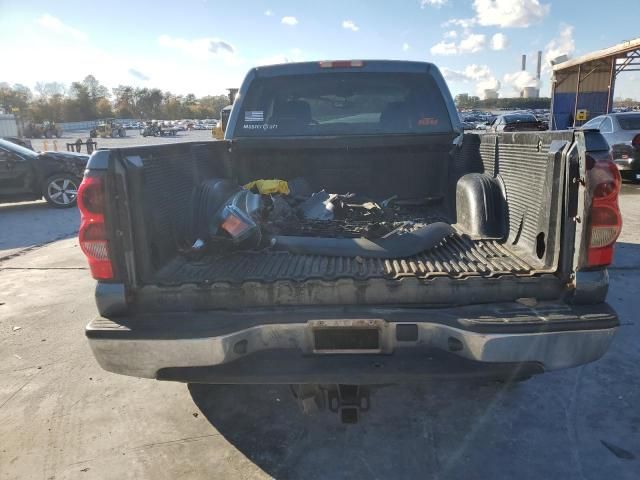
(205, 46)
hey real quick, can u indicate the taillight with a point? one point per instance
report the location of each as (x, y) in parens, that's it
(605, 220)
(636, 141)
(93, 233)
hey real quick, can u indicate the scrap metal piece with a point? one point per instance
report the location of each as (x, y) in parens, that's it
(319, 206)
(393, 245)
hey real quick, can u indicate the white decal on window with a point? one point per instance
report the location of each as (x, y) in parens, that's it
(254, 116)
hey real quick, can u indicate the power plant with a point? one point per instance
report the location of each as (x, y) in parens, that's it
(532, 91)
(490, 93)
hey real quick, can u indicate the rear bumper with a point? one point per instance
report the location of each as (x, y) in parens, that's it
(274, 346)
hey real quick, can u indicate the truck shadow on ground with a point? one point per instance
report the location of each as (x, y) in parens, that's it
(626, 256)
(556, 425)
(35, 223)
(400, 437)
(445, 430)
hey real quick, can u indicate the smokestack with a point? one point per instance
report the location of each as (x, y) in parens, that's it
(539, 64)
(524, 62)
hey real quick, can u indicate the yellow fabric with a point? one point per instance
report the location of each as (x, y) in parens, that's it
(266, 187)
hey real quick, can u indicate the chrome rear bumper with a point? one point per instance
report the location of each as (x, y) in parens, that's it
(554, 338)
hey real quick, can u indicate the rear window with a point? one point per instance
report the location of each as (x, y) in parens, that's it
(343, 103)
(629, 122)
(519, 118)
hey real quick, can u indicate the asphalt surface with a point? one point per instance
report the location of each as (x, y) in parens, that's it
(62, 417)
(133, 138)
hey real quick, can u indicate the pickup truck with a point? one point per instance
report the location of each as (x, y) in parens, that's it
(346, 233)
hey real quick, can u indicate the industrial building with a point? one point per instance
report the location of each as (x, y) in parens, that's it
(490, 93)
(583, 88)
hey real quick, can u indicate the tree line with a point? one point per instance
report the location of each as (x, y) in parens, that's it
(90, 100)
(467, 101)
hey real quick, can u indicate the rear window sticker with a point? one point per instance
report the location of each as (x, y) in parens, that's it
(254, 116)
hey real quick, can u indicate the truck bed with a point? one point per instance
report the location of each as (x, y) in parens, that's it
(513, 254)
(457, 256)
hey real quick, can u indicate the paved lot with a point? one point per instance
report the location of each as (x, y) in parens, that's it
(133, 138)
(62, 417)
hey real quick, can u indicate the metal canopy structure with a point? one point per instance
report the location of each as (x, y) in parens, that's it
(583, 88)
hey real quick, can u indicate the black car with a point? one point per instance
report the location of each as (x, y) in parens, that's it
(622, 131)
(29, 175)
(518, 122)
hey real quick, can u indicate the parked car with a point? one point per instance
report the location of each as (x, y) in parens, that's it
(518, 122)
(282, 253)
(29, 175)
(23, 142)
(622, 132)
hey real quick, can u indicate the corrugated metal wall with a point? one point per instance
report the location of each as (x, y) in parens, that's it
(8, 125)
(596, 82)
(593, 94)
(564, 107)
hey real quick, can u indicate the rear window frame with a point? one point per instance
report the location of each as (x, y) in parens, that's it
(251, 104)
(623, 118)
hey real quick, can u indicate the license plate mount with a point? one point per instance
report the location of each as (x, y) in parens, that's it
(350, 336)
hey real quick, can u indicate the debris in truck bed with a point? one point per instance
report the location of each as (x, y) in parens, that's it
(396, 244)
(239, 219)
(318, 206)
(268, 187)
(299, 189)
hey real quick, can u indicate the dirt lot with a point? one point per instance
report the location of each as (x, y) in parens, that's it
(62, 417)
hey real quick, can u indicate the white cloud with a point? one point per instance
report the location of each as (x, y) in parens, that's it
(432, 3)
(291, 21)
(480, 75)
(460, 22)
(491, 83)
(471, 72)
(350, 25)
(166, 68)
(499, 41)
(54, 24)
(472, 43)
(477, 72)
(521, 79)
(451, 34)
(510, 13)
(405, 47)
(564, 44)
(453, 75)
(444, 48)
(201, 48)
(268, 13)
